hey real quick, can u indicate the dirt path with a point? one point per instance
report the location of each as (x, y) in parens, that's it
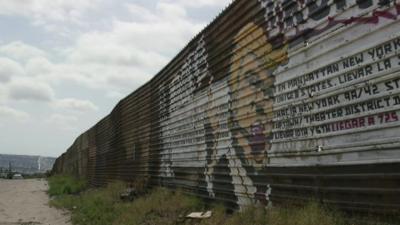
(25, 202)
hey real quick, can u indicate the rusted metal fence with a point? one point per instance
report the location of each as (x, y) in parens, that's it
(273, 101)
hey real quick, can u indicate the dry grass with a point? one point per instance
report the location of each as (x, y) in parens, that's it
(310, 214)
(165, 207)
(159, 207)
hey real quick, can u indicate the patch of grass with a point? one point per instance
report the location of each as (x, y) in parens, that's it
(103, 207)
(310, 214)
(93, 207)
(63, 184)
(160, 207)
(98, 207)
(164, 207)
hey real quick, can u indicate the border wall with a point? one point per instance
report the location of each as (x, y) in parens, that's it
(273, 101)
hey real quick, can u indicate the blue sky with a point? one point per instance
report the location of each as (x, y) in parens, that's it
(65, 64)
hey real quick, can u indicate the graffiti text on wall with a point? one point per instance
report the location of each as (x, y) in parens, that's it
(289, 17)
(306, 110)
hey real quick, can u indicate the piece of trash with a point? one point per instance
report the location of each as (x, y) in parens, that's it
(199, 215)
(129, 195)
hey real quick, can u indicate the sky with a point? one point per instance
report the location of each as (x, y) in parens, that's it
(65, 64)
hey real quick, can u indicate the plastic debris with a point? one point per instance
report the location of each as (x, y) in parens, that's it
(199, 215)
(129, 195)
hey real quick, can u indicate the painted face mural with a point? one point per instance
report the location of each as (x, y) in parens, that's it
(249, 93)
(251, 88)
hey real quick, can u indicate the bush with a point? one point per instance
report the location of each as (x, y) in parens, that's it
(62, 184)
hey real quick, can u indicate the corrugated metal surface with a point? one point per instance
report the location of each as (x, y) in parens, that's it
(273, 101)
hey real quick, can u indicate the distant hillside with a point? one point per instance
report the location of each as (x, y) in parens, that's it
(26, 164)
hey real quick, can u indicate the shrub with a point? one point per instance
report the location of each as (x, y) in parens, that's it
(63, 184)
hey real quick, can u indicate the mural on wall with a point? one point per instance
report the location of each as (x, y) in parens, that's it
(340, 91)
(179, 133)
(299, 20)
(230, 126)
(251, 85)
(250, 111)
(251, 90)
(271, 87)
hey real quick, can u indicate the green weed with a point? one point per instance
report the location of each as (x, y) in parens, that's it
(62, 184)
(165, 207)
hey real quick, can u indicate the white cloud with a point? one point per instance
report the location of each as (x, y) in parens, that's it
(48, 12)
(200, 3)
(3, 94)
(119, 59)
(39, 67)
(115, 95)
(75, 105)
(171, 10)
(131, 52)
(20, 51)
(141, 13)
(62, 122)
(30, 90)
(113, 53)
(9, 69)
(7, 113)
(165, 35)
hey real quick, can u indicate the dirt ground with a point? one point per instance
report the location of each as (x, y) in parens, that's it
(25, 202)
